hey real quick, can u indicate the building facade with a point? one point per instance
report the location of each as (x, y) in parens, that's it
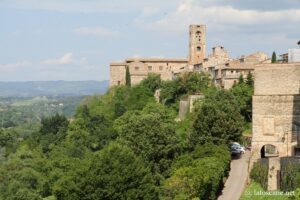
(276, 111)
(227, 74)
(167, 68)
(139, 68)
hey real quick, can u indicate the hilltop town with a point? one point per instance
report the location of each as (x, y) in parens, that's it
(275, 102)
(224, 71)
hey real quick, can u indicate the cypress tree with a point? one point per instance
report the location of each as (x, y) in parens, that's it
(241, 79)
(274, 58)
(128, 80)
(249, 80)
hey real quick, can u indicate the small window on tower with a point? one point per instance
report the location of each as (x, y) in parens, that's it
(198, 33)
(136, 68)
(150, 68)
(198, 48)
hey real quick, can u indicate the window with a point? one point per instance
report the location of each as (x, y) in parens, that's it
(268, 126)
(119, 82)
(136, 68)
(198, 48)
(161, 68)
(150, 68)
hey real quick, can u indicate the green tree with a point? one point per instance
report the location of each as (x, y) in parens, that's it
(114, 173)
(186, 83)
(22, 175)
(218, 119)
(194, 82)
(274, 57)
(53, 130)
(243, 94)
(127, 77)
(150, 134)
(249, 80)
(139, 97)
(198, 174)
(170, 91)
(152, 82)
(241, 79)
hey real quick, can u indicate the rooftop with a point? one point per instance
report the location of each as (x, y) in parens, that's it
(157, 60)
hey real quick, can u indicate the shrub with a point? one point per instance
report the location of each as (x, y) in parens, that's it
(259, 173)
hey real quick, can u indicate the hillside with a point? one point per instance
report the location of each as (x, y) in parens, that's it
(52, 88)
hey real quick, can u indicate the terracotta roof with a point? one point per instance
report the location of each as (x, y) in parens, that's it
(157, 60)
(118, 64)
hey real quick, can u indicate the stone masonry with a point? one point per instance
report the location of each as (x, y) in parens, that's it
(276, 109)
(167, 68)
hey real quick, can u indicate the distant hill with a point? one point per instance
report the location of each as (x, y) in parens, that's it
(52, 88)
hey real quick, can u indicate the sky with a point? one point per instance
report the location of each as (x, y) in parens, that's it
(77, 39)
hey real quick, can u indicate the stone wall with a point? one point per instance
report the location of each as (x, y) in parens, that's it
(276, 108)
(139, 69)
(277, 79)
(117, 74)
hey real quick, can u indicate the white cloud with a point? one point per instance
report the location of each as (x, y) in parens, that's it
(64, 60)
(14, 66)
(96, 31)
(216, 17)
(84, 6)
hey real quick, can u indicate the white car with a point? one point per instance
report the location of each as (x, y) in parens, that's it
(242, 148)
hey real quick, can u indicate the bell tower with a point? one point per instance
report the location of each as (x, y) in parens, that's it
(197, 44)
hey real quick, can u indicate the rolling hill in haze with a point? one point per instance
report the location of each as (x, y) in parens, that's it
(52, 88)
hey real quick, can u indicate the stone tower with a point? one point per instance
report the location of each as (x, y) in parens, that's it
(197, 45)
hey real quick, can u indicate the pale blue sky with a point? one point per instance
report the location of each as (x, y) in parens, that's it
(77, 39)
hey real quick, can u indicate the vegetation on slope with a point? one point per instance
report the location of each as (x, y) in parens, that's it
(124, 145)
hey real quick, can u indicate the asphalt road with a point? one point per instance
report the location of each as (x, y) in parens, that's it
(237, 179)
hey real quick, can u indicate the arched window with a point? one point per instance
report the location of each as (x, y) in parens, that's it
(198, 48)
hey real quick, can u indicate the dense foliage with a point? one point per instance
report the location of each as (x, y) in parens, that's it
(125, 145)
(259, 174)
(290, 176)
(218, 119)
(198, 174)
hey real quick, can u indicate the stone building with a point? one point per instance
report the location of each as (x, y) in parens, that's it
(276, 111)
(276, 117)
(224, 71)
(226, 74)
(167, 68)
(139, 68)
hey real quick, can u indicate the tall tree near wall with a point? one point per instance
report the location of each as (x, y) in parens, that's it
(241, 79)
(274, 58)
(249, 80)
(128, 80)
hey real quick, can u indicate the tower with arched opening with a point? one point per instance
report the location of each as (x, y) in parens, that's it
(197, 44)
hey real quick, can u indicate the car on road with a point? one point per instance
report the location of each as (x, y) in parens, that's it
(236, 149)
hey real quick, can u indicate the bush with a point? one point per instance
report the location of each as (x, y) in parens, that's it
(198, 174)
(259, 173)
(290, 176)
